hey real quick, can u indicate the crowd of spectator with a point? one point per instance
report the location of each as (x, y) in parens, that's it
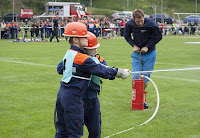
(99, 26)
(43, 28)
(176, 29)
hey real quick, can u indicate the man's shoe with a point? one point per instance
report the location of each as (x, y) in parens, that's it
(146, 106)
(58, 41)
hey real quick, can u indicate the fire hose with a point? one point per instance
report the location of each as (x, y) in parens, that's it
(154, 114)
(158, 100)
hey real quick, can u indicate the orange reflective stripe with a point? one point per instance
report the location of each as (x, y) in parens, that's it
(80, 58)
(100, 59)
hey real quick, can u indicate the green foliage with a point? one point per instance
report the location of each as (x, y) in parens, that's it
(170, 6)
(98, 11)
(38, 6)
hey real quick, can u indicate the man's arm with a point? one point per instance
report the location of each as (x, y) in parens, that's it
(157, 36)
(127, 35)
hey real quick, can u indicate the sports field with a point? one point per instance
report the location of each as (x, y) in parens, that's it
(29, 84)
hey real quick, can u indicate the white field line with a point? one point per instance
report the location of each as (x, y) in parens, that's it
(7, 58)
(167, 70)
(192, 42)
(134, 72)
(28, 63)
(176, 78)
(176, 64)
(120, 132)
(186, 37)
(196, 68)
(156, 63)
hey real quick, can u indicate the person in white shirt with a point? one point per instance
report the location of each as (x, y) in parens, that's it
(3, 26)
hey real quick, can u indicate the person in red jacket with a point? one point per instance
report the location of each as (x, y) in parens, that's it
(122, 24)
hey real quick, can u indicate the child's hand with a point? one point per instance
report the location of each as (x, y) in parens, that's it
(123, 73)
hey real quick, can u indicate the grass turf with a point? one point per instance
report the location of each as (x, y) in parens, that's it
(29, 85)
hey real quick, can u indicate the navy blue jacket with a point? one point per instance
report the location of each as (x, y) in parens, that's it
(147, 35)
(85, 66)
(93, 88)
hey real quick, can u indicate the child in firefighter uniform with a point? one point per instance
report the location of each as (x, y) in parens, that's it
(92, 114)
(77, 71)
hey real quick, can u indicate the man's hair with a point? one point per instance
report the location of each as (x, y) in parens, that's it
(138, 13)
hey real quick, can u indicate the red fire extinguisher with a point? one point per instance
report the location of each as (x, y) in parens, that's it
(138, 94)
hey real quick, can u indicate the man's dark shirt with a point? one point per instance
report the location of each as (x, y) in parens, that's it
(147, 35)
(55, 21)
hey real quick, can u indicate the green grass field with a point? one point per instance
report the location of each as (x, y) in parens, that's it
(29, 84)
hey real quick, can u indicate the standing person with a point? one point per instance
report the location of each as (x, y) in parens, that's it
(3, 26)
(42, 30)
(46, 29)
(26, 28)
(12, 30)
(118, 28)
(33, 30)
(97, 28)
(62, 26)
(55, 29)
(59, 31)
(92, 113)
(37, 30)
(122, 24)
(78, 67)
(17, 29)
(7, 31)
(146, 34)
(165, 27)
(49, 28)
(91, 26)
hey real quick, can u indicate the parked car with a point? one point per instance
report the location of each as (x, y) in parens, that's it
(192, 18)
(121, 15)
(9, 16)
(166, 17)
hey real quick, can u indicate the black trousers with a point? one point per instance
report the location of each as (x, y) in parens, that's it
(55, 33)
(2, 34)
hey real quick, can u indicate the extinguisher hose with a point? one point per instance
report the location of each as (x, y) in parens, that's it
(158, 101)
(154, 114)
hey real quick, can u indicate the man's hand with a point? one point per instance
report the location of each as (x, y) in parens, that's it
(144, 49)
(123, 73)
(136, 49)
